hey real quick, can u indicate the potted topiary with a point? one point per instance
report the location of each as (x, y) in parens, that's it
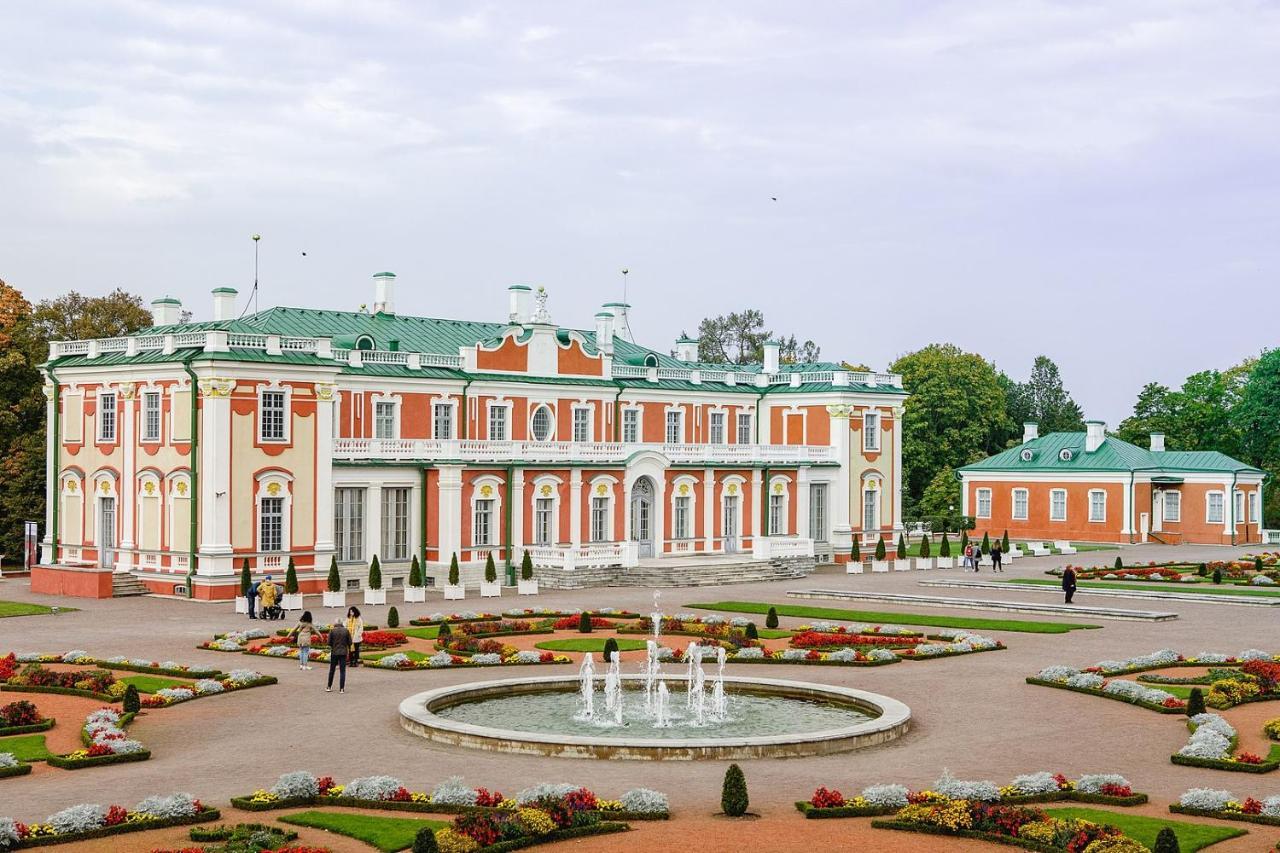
(984, 555)
(416, 591)
(527, 584)
(880, 564)
(901, 562)
(944, 560)
(292, 599)
(1119, 564)
(925, 559)
(453, 590)
(333, 594)
(374, 593)
(246, 581)
(854, 566)
(490, 588)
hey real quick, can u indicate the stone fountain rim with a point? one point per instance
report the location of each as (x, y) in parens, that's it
(892, 720)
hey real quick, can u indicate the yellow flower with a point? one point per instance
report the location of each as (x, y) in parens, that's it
(261, 796)
(450, 841)
(609, 805)
(419, 796)
(336, 790)
(536, 821)
(1009, 791)
(857, 802)
(1115, 844)
(1044, 831)
(78, 754)
(508, 804)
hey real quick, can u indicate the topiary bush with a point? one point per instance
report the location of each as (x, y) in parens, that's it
(1203, 571)
(752, 632)
(1217, 575)
(855, 553)
(425, 841)
(334, 581)
(902, 546)
(246, 578)
(444, 630)
(490, 570)
(1004, 543)
(415, 573)
(610, 649)
(584, 622)
(1119, 563)
(291, 579)
(733, 794)
(880, 549)
(375, 574)
(1195, 702)
(945, 549)
(526, 567)
(132, 703)
(925, 549)
(1166, 841)
(771, 618)
(986, 543)
(393, 618)
(453, 569)
(964, 540)
(1257, 564)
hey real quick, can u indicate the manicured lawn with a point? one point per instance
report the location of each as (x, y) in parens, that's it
(1022, 626)
(772, 633)
(1191, 836)
(25, 747)
(385, 833)
(19, 608)
(1197, 588)
(589, 644)
(152, 683)
(427, 632)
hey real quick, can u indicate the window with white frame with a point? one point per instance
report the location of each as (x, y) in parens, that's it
(984, 503)
(675, 426)
(1215, 507)
(348, 524)
(482, 522)
(777, 514)
(581, 424)
(497, 422)
(715, 428)
(682, 515)
(1097, 505)
(106, 416)
(1173, 506)
(384, 419)
(600, 519)
(818, 512)
(870, 431)
(395, 524)
(542, 426)
(744, 428)
(271, 420)
(271, 525)
(1254, 516)
(630, 425)
(1020, 504)
(1058, 505)
(1239, 507)
(544, 510)
(442, 420)
(151, 416)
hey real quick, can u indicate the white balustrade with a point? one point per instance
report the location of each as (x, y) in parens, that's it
(592, 556)
(773, 547)
(474, 450)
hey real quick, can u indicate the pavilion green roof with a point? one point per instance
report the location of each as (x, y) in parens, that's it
(1113, 455)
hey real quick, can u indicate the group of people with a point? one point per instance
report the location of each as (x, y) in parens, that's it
(265, 593)
(345, 639)
(973, 556)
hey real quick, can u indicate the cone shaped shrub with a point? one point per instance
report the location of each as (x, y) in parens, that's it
(1203, 571)
(333, 583)
(945, 549)
(1166, 841)
(453, 569)
(855, 554)
(425, 841)
(1195, 702)
(393, 618)
(490, 570)
(1257, 564)
(964, 540)
(610, 649)
(1004, 543)
(880, 550)
(291, 579)
(1119, 563)
(926, 550)
(771, 618)
(443, 630)
(415, 572)
(584, 622)
(375, 574)
(733, 794)
(902, 546)
(1217, 575)
(986, 544)
(526, 567)
(132, 703)
(246, 578)
(752, 632)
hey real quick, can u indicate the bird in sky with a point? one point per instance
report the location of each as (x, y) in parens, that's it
(774, 197)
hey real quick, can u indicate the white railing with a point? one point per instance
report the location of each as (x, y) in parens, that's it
(630, 371)
(62, 348)
(189, 339)
(433, 360)
(374, 356)
(299, 344)
(473, 450)
(113, 344)
(592, 556)
(772, 547)
(237, 339)
(267, 563)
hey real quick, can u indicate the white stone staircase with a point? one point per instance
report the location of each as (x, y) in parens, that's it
(124, 585)
(680, 571)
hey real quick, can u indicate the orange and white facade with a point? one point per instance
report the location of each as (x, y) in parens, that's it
(181, 452)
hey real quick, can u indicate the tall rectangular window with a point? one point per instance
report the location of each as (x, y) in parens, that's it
(1020, 504)
(1239, 508)
(348, 524)
(683, 528)
(543, 521)
(482, 524)
(630, 425)
(870, 431)
(581, 425)
(384, 420)
(1097, 505)
(818, 512)
(984, 503)
(395, 524)
(1215, 507)
(271, 416)
(442, 420)
(151, 416)
(271, 525)
(1173, 506)
(106, 416)
(600, 519)
(675, 426)
(1058, 505)
(744, 428)
(1253, 508)
(777, 515)
(497, 423)
(715, 428)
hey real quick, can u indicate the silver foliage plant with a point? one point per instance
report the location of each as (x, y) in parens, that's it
(81, 818)
(372, 788)
(547, 790)
(961, 789)
(1206, 799)
(168, 805)
(887, 796)
(299, 783)
(1036, 783)
(645, 801)
(453, 792)
(1091, 783)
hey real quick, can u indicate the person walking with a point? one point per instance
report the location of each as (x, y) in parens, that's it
(252, 595)
(1069, 582)
(339, 649)
(304, 631)
(997, 554)
(968, 558)
(355, 627)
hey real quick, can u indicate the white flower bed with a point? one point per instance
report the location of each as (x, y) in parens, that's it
(1036, 783)
(961, 789)
(881, 654)
(205, 686)
(794, 654)
(299, 783)
(81, 818)
(453, 792)
(645, 801)
(225, 645)
(1057, 672)
(843, 655)
(440, 659)
(372, 788)
(1271, 806)
(552, 790)
(168, 806)
(1254, 654)
(1210, 657)
(1087, 680)
(176, 694)
(1091, 783)
(1134, 690)
(8, 759)
(886, 796)
(749, 654)
(486, 658)
(75, 655)
(243, 676)
(1205, 799)
(528, 656)
(391, 661)
(1213, 722)
(1262, 580)
(8, 833)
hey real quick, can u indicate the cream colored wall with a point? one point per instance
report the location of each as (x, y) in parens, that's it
(298, 460)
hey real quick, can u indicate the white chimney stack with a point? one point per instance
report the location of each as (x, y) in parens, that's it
(1157, 442)
(224, 303)
(1030, 431)
(384, 293)
(621, 320)
(771, 352)
(687, 349)
(520, 302)
(166, 311)
(1095, 433)
(604, 332)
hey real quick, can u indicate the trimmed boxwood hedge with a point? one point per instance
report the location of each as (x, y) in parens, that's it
(246, 804)
(1240, 816)
(119, 829)
(157, 670)
(19, 770)
(1160, 709)
(42, 726)
(1218, 764)
(928, 829)
(603, 828)
(225, 831)
(62, 691)
(96, 761)
(812, 812)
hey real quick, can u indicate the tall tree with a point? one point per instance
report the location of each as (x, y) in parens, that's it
(1255, 420)
(941, 498)
(739, 338)
(75, 316)
(1043, 399)
(1153, 412)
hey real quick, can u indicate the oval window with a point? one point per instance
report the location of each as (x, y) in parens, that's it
(1065, 455)
(543, 425)
(1027, 455)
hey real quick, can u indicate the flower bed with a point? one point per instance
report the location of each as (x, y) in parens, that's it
(454, 618)
(237, 679)
(551, 613)
(813, 657)
(731, 631)
(441, 660)
(33, 677)
(122, 663)
(1212, 744)
(1216, 803)
(87, 821)
(813, 640)
(11, 766)
(963, 644)
(1018, 826)
(369, 640)
(1164, 706)
(22, 717)
(859, 628)
(105, 743)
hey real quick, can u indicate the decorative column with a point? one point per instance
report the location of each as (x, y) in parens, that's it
(326, 396)
(897, 468)
(1157, 512)
(449, 511)
(128, 478)
(575, 507)
(1228, 508)
(517, 515)
(215, 554)
(373, 523)
(52, 489)
(708, 510)
(759, 505)
(802, 503)
(842, 500)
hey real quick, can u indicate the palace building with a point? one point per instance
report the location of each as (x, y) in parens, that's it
(180, 452)
(1092, 487)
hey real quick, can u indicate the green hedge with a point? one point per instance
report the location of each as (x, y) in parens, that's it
(1159, 709)
(62, 691)
(1246, 818)
(1216, 764)
(42, 726)
(226, 831)
(20, 770)
(96, 761)
(812, 812)
(1108, 800)
(121, 828)
(928, 829)
(604, 828)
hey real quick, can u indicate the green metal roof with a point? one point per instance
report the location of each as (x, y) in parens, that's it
(1113, 455)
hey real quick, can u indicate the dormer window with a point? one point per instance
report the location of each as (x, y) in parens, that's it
(1065, 454)
(1027, 455)
(364, 342)
(650, 360)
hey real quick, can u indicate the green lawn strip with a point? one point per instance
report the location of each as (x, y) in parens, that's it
(589, 644)
(773, 634)
(1198, 589)
(1191, 836)
(429, 632)
(153, 683)
(21, 608)
(931, 621)
(385, 833)
(25, 747)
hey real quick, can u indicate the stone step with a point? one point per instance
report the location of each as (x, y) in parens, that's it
(123, 585)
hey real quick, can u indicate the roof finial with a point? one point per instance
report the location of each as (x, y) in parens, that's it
(541, 315)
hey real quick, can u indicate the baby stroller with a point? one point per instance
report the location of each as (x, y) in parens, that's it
(275, 611)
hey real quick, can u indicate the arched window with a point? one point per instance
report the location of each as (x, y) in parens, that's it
(364, 342)
(543, 424)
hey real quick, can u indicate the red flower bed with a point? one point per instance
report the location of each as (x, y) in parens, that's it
(1251, 806)
(8, 666)
(1267, 673)
(326, 784)
(1249, 758)
(1174, 702)
(484, 828)
(570, 623)
(116, 815)
(383, 639)
(21, 713)
(95, 680)
(815, 639)
(1111, 789)
(505, 626)
(97, 749)
(485, 797)
(825, 799)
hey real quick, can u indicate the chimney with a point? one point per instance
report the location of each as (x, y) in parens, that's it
(1157, 442)
(1030, 431)
(224, 303)
(604, 332)
(621, 320)
(687, 349)
(771, 349)
(384, 293)
(166, 311)
(1095, 432)
(520, 302)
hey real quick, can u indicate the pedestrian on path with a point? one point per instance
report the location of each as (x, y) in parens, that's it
(339, 648)
(355, 627)
(1069, 582)
(969, 561)
(253, 599)
(997, 554)
(303, 631)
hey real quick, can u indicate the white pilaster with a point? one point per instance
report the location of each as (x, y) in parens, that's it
(1126, 521)
(802, 503)
(326, 395)
(897, 468)
(373, 523)
(843, 497)
(51, 490)
(214, 556)
(517, 515)
(450, 511)
(759, 503)
(128, 478)
(1157, 514)
(575, 507)
(708, 510)
(1229, 508)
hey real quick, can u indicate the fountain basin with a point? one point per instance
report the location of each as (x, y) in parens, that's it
(872, 719)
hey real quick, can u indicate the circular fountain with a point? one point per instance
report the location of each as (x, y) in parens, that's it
(655, 714)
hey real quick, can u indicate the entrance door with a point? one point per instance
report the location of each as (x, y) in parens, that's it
(642, 494)
(729, 525)
(107, 532)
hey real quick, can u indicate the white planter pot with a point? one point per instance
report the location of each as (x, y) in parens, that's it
(415, 594)
(335, 599)
(375, 596)
(529, 587)
(924, 562)
(903, 565)
(454, 593)
(490, 590)
(879, 565)
(291, 602)
(946, 563)
(854, 567)
(242, 604)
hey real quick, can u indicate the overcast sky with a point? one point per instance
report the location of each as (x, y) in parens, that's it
(1092, 181)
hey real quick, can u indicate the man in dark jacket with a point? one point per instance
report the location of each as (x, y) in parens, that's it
(997, 555)
(253, 598)
(339, 647)
(1069, 582)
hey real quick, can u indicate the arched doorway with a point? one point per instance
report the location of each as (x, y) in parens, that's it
(642, 503)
